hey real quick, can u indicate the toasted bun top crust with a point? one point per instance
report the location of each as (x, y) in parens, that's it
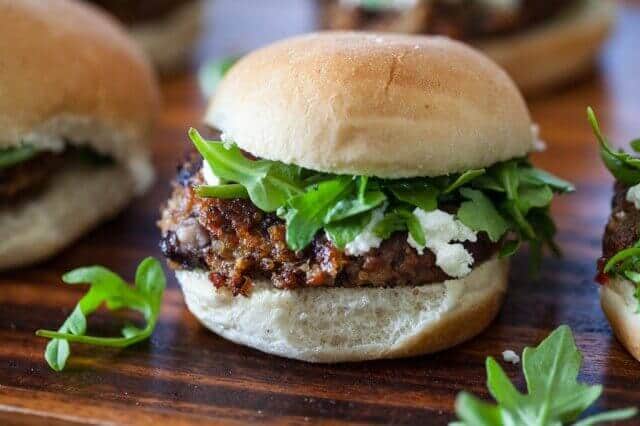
(70, 72)
(373, 104)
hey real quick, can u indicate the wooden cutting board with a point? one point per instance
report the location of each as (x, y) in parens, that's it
(186, 375)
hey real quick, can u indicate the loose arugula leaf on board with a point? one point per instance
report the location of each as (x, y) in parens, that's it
(305, 214)
(268, 186)
(554, 395)
(109, 289)
(481, 215)
(622, 166)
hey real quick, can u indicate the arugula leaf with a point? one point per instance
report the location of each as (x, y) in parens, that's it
(533, 196)
(417, 194)
(12, 156)
(554, 396)
(400, 220)
(268, 186)
(480, 214)
(346, 208)
(305, 214)
(110, 289)
(463, 179)
(622, 166)
(343, 232)
(537, 177)
(212, 72)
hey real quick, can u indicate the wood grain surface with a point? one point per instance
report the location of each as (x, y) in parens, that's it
(186, 375)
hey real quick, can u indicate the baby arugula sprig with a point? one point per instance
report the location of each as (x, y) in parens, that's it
(554, 397)
(623, 166)
(508, 200)
(108, 288)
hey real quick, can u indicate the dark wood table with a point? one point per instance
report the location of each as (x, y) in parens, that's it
(185, 374)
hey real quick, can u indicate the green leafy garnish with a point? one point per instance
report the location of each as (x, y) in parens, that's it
(511, 198)
(109, 289)
(624, 167)
(554, 395)
(212, 72)
(11, 156)
(479, 213)
(269, 185)
(306, 213)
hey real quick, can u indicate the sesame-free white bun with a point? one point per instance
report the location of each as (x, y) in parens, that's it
(621, 308)
(351, 324)
(382, 105)
(70, 75)
(169, 41)
(556, 51)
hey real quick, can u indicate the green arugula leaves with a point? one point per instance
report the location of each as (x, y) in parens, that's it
(12, 156)
(108, 288)
(554, 397)
(510, 199)
(624, 167)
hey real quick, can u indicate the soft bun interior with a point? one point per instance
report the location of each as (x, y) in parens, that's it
(351, 324)
(621, 308)
(373, 104)
(74, 201)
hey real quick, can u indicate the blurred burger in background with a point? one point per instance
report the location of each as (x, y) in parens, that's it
(166, 29)
(540, 43)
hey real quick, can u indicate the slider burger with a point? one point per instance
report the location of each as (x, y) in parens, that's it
(362, 201)
(619, 266)
(167, 30)
(538, 42)
(77, 105)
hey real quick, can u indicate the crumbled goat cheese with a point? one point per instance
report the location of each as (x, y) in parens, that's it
(367, 239)
(633, 196)
(388, 4)
(440, 229)
(209, 177)
(510, 356)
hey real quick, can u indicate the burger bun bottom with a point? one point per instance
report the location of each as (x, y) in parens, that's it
(329, 325)
(73, 201)
(621, 308)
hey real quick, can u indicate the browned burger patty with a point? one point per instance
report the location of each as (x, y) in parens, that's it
(239, 243)
(134, 12)
(463, 19)
(622, 230)
(28, 176)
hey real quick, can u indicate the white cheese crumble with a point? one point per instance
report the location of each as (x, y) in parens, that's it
(510, 356)
(367, 239)
(209, 177)
(633, 196)
(440, 229)
(381, 4)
